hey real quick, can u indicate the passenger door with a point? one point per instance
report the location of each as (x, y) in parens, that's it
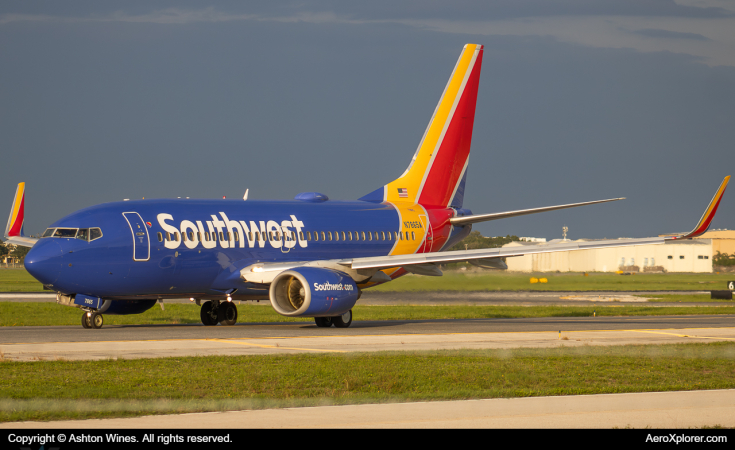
(141, 240)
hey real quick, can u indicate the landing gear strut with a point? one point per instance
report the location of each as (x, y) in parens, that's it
(92, 320)
(214, 312)
(343, 321)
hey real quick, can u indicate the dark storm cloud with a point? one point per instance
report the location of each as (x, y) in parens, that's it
(666, 34)
(94, 112)
(394, 10)
(506, 9)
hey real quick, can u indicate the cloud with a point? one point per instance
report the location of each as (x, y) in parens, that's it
(666, 34)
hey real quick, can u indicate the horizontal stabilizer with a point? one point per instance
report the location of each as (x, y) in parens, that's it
(476, 218)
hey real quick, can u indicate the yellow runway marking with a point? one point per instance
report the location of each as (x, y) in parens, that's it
(276, 346)
(682, 335)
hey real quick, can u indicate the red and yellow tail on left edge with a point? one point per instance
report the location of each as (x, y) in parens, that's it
(17, 213)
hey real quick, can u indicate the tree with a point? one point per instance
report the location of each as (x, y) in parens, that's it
(723, 259)
(3, 250)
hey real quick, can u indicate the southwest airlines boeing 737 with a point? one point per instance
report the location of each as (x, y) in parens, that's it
(310, 256)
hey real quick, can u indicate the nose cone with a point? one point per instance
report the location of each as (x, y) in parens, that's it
(43, 261)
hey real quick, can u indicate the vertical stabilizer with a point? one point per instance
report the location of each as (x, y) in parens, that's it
(437, 172)
(17, 213)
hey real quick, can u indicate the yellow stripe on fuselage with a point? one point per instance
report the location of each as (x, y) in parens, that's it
(411, 180)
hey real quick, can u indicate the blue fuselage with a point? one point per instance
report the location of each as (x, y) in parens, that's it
(181, 248)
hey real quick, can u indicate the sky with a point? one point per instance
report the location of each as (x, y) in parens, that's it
(579, 100)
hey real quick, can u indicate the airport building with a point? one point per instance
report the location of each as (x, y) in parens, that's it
(676, 256)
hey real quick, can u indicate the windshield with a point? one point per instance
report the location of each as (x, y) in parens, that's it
(84, 234)
(65, 232)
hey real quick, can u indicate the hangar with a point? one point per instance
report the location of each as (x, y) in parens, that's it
(675, 256)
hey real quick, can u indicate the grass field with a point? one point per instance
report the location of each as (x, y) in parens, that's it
(565, 281)
(19, 280)
(48, 314)
(86, 389)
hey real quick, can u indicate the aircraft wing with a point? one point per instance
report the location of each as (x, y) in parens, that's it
(22, 241)
(426, 263)
(380, 262)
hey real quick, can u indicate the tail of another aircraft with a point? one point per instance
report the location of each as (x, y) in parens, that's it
(438, 170)
(17, 213)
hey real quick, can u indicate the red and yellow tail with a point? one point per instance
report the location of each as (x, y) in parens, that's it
(17, 213)
(437, 172)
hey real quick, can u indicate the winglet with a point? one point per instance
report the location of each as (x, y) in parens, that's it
(709, 213)
(17, 213)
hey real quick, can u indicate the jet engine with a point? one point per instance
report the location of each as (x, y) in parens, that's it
(313, 292)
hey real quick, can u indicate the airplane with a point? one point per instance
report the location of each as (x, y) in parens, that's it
(310, 256)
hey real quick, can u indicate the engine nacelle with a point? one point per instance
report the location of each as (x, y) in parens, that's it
(313, 292)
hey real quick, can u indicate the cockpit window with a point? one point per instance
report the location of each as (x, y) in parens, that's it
(83, 234)
(65, 232)
(94, 233)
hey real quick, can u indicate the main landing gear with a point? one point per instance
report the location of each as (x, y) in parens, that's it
(343, 321)
(92, 320)
(214, 312)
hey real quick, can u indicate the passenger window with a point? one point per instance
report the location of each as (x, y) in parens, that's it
(330, 235)
(370, 235)
(336, 235)
(206, 236)
(363, 235)
(349, 233)
(199, 236)
(390, 236)
(237, 237)
(316, 236)
(83, 234)
(301, 235)
(183, 237)
(413, 236)
(176, 236)
(382, 235)
(168, 236)
(324, 236)
(160, 237)
(406, 235)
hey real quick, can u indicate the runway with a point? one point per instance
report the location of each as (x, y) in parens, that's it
(151, 341)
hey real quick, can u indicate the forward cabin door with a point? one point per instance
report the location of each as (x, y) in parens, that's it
(141, 240)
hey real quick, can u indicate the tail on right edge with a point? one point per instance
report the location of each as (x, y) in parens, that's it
(437, 173)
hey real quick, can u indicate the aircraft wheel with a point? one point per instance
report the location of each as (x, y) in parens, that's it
(343, 321)
(227, 314)
(324, 322)
(86, 323)
(208, 314)
(97, 320)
